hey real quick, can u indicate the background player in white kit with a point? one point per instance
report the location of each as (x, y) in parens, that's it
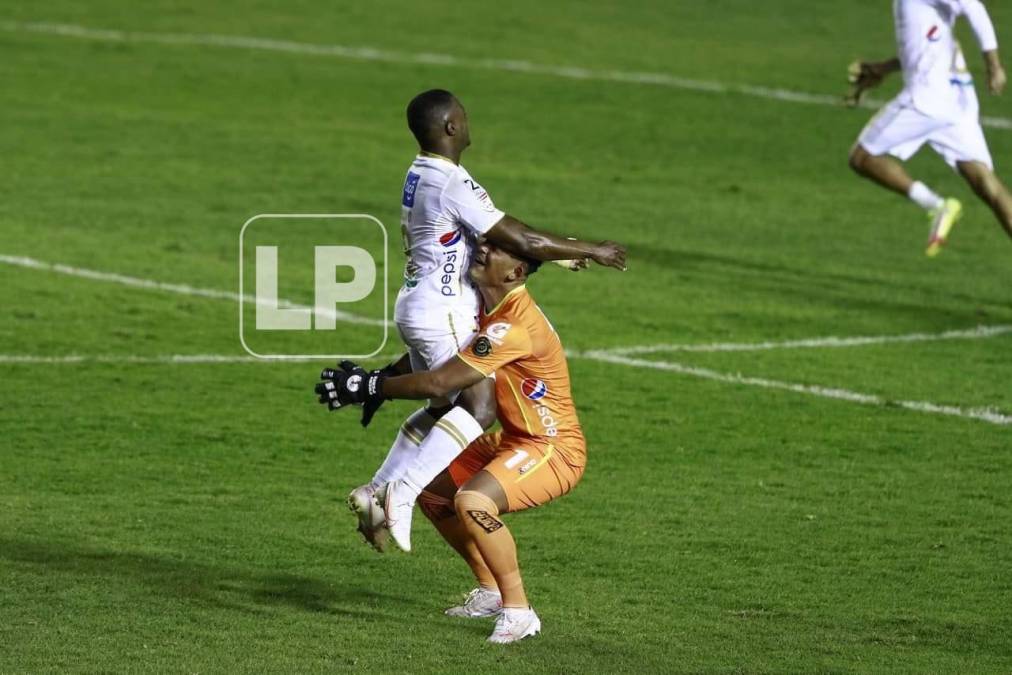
(938, 106)
(443, 213)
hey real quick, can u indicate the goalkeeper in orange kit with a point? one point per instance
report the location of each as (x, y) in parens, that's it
(539, 454)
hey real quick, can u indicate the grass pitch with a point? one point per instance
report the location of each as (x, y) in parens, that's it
(188, 516)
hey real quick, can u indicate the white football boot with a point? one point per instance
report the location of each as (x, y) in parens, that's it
(480, 603)
(362, 502)
(398, 501)
(515, 624)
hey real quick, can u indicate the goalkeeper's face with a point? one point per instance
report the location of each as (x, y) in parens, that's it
(492, 266)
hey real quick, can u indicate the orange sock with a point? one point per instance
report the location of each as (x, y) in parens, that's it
(440, 511)
(479, 514)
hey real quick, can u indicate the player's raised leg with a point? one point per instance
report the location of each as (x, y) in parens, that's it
(890, 174)
(887, 172)
(990, 189)
(362, 500)
(473, 412)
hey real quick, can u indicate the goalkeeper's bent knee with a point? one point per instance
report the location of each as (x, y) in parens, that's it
(477, 508)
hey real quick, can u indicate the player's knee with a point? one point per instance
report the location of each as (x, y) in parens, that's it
(472, 505)
(857, 158)
(435, 507)
(479, 400)
(484, 414)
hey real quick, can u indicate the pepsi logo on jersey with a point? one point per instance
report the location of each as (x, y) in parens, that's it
(533, 388)
(450, 238)
(450, 262)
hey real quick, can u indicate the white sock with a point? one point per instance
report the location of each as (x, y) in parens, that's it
(405, 448)
(448, 438)
(922, 195)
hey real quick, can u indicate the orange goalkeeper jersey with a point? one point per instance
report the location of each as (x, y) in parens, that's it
(517, 343)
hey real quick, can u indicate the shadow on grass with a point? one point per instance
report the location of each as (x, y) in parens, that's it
(925, 302)
(236, 589)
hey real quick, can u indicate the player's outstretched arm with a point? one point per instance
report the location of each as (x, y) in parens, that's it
(522, 240)
(454, 375)
(350, 384)
(865, 75)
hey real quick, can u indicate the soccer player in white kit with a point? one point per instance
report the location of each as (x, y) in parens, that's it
(444, 212)
(938, 106)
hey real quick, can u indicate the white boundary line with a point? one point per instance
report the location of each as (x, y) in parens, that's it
(447, 60)
(607, 356)
(162, 358)
(982, 414)
(813, 343)
(182, 289)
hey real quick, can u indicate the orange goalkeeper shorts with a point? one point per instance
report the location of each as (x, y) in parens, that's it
(531, 471)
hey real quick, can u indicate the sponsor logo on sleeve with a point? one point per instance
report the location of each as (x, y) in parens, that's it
(410, 185)
(496, 332)
(934, 35)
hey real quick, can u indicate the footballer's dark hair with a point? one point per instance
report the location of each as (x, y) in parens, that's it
(427, 113)
(531, 265)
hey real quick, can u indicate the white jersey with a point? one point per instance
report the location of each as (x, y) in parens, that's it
(935, 77)
(443, 210)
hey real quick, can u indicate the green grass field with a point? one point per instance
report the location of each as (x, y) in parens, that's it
(158, 516)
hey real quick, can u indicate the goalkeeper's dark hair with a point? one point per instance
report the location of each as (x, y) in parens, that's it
(531, 265)
(427, 112)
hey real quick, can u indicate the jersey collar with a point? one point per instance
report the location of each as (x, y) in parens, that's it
(435, 155)
(515, 291)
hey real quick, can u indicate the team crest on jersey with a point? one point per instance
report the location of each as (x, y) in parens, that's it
(450, 238)
(410, 185)
(934, 34)
(482, 346)
(533, 388)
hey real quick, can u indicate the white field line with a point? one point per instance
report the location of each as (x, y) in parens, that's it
(814, 343)
(182, 289)
(161, 359)
(446, 60)
(982, 414)
(607, 356)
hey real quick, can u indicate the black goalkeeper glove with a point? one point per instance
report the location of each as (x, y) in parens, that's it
(350, 384)
(374, 382)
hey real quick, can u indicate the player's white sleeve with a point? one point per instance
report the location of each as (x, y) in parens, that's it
(980, 21)
(470, 204)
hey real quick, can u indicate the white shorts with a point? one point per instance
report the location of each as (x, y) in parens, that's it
(900, 130)
(444, 332)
